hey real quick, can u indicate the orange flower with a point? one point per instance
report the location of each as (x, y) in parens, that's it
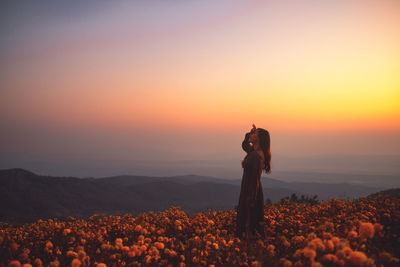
(118, 242)
(298, 239)
(49, 245)
(159, 245)
(329, 245)
(366, 230)
(131, 254)
(215, 245)
(207, 238)
(316, 264)
(143, 247)
(285, 262)
(347, 251)
(378, 227)
(66, 231)
(357, 258)
(195, 259)
(270, 248)
(309, 253)
(38, 262)
(335, 240)
(147, 259)
(330, 258)
(255, 264)
(76, 263)
(352, 235)
(316, 244)
(14, 263)
(71, 253)
(54, 263)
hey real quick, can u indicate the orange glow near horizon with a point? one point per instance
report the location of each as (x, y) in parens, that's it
(331, 71)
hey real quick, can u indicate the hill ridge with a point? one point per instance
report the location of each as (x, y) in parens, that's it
(26, 196)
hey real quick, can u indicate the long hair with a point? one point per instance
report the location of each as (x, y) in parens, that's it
(265, 144)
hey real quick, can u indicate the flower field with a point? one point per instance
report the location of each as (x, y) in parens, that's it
(362, 232)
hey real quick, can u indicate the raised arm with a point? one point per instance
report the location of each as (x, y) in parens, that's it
(246, 145)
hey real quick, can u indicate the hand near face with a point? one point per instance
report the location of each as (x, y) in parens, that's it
(253, 135)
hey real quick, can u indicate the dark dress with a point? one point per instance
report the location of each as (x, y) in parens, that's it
(250, 210)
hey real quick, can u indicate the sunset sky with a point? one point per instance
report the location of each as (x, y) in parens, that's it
(171, 87)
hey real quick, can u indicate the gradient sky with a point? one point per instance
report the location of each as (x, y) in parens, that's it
(171, 87)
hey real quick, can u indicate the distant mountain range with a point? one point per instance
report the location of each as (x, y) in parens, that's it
(26, 196)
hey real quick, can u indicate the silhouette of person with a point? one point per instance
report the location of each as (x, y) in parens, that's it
(250, 210)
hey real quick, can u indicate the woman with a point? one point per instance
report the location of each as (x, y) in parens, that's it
(250, 211)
